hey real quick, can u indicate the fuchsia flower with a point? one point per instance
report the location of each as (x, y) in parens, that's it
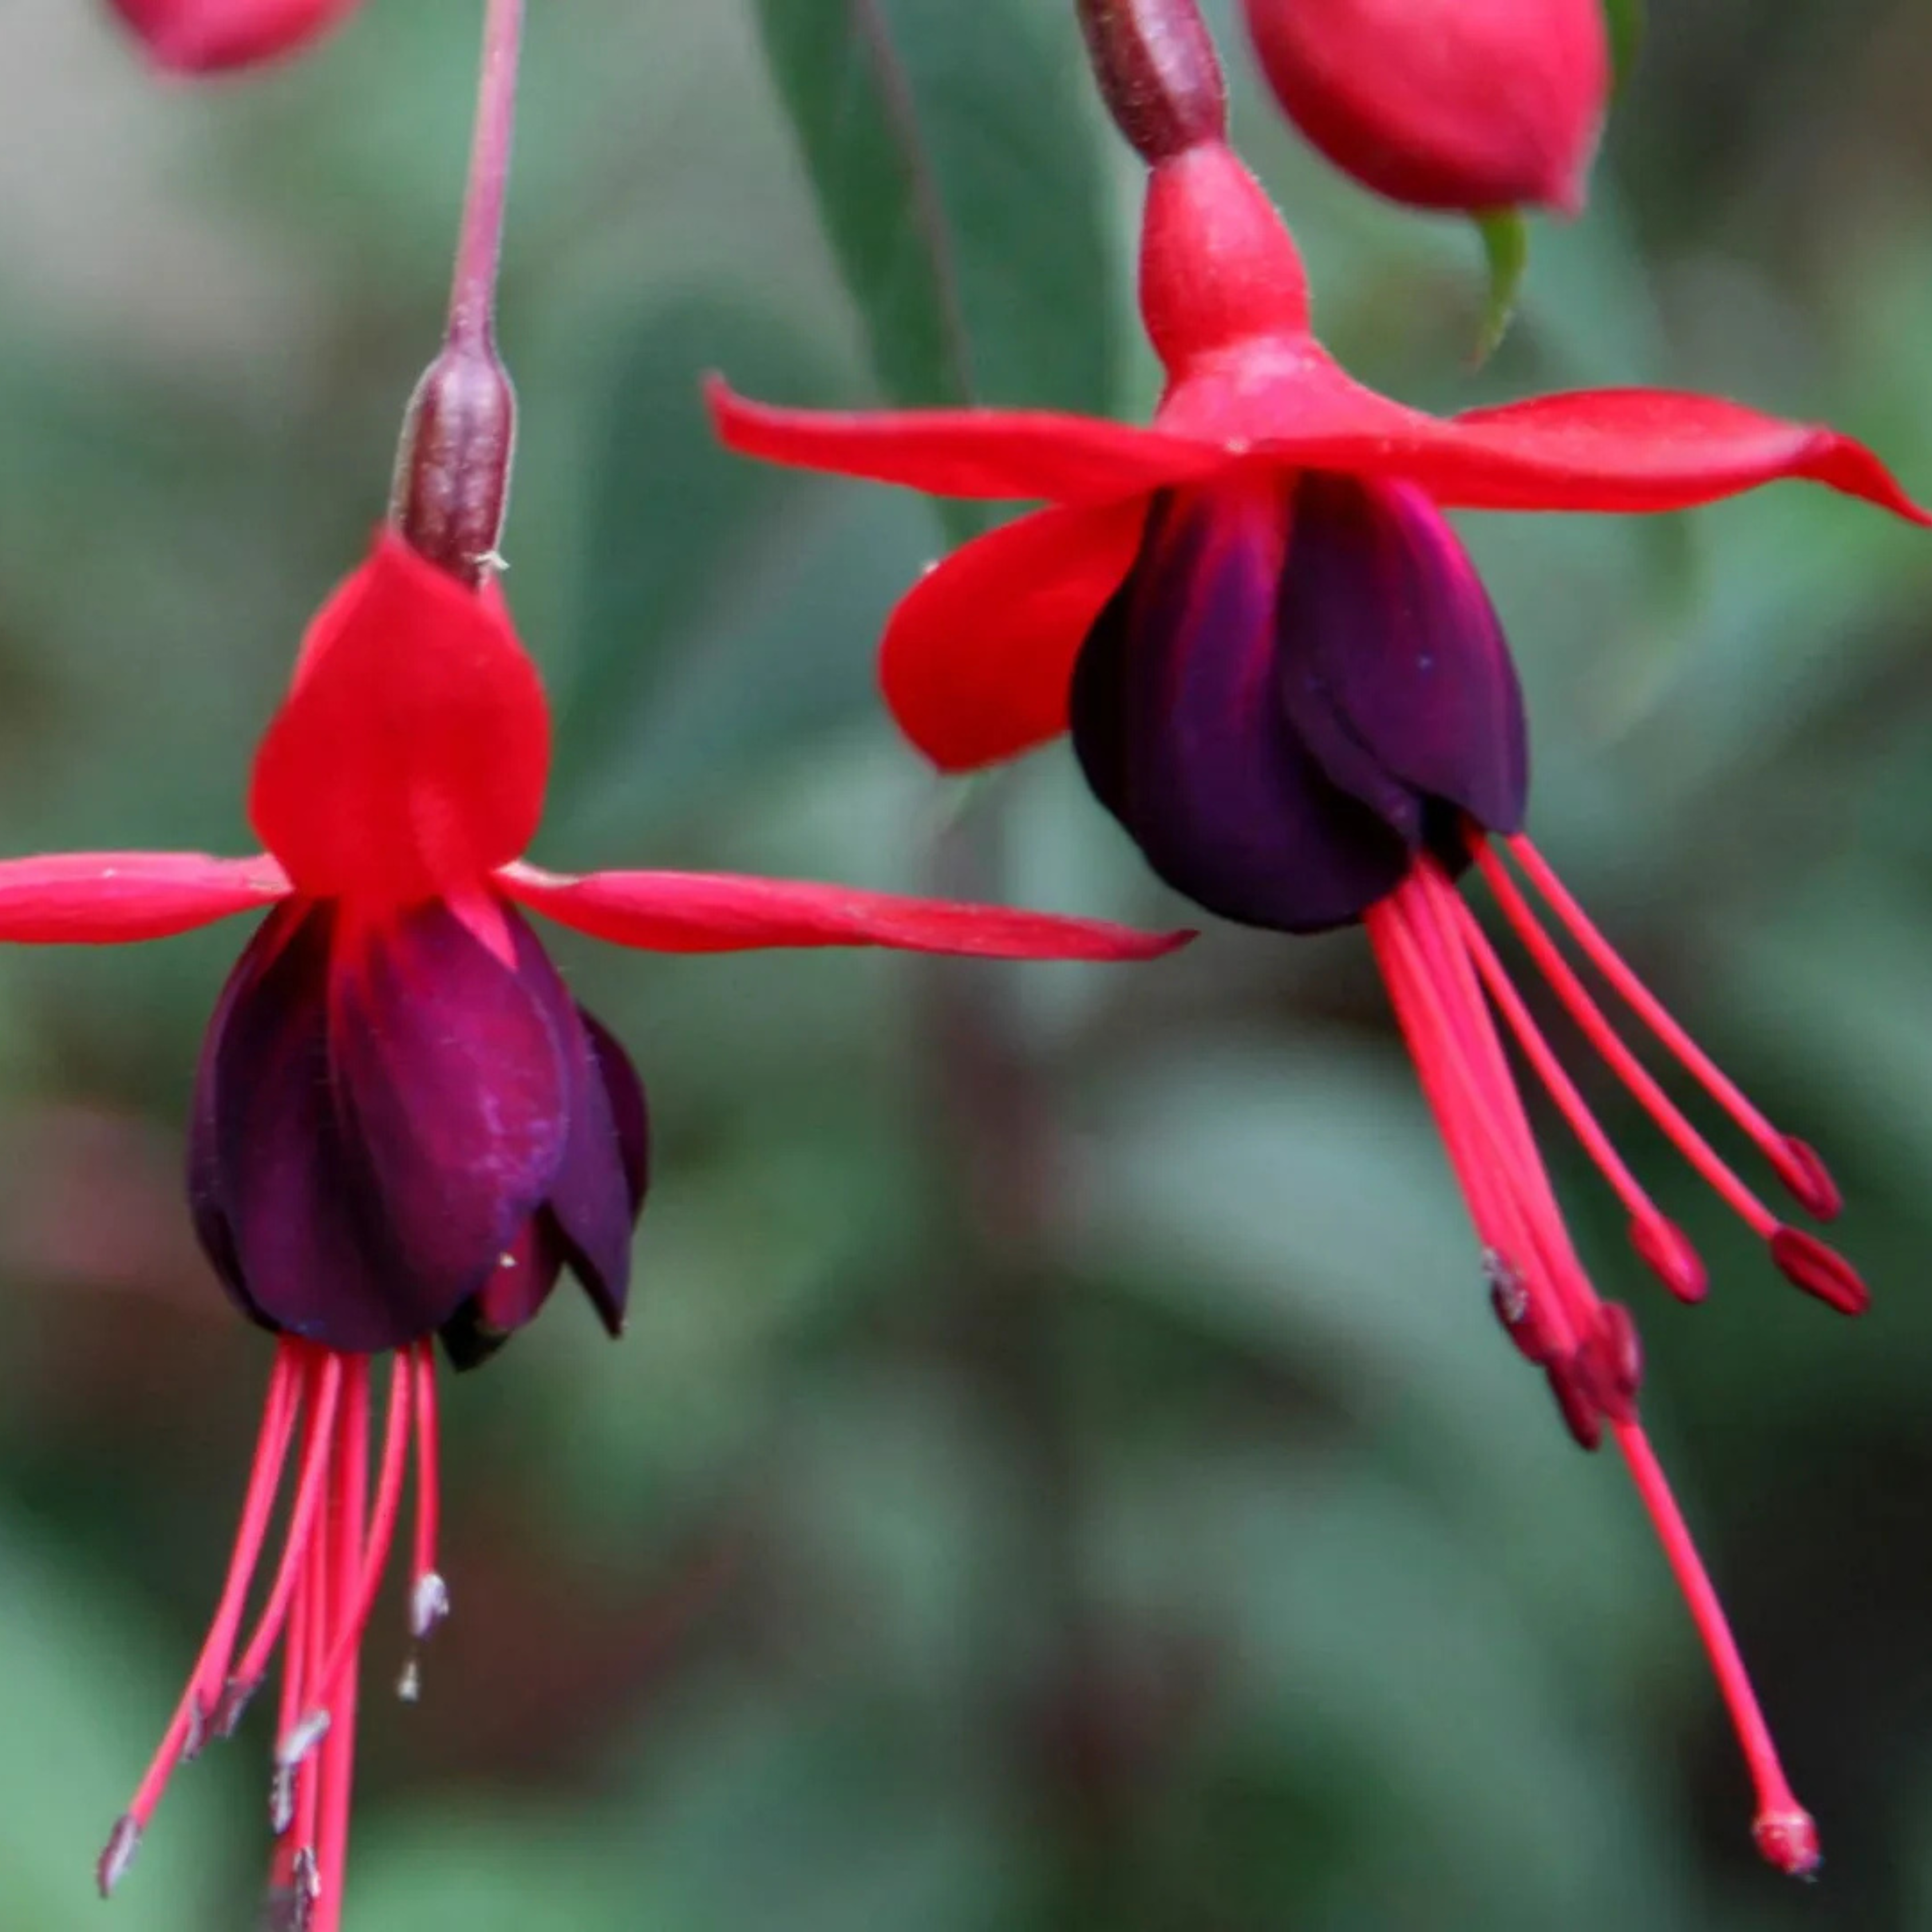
(1282, 676)
(1469, 104)
(404, 1128)
(211, 36)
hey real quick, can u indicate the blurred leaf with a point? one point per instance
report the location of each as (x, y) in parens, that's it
(675, 516)
(89, 1690)
(954, 149)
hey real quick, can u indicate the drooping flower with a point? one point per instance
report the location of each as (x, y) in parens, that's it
(1283, 676)
(194, 36)
(1474, 105)
(404, 1128)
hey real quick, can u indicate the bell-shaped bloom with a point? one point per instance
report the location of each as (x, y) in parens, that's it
(1284, 678)
(1470, 104)
(404, 1128)
(192, 36)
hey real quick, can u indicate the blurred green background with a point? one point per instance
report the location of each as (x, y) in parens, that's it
(1061, 1473)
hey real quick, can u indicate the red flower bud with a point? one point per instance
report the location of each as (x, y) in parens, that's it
(1470, 104)
(207, 36)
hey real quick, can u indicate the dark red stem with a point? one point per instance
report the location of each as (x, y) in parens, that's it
(452, 480)
(1158, 72)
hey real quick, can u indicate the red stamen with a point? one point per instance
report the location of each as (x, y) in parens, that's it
(1596, 1027)
(247, 1676)
(1784, 1831)
(336, 1543)
(1442, 975)
(1798, 1167)
(1806, 1262)
(429, 1595)
(188, 1725)
(1664, 1247)
(362, 1576)
(334, 1692)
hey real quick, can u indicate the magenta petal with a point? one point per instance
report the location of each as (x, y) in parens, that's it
(1179, 726)
(1393, 667)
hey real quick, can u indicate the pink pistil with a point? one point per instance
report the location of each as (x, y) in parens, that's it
(1446, 981)
(313, 1612)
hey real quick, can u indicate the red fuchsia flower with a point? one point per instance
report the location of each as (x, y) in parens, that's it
(1282, 674)
(404, 1128)
(1469, 104)
(191, 36)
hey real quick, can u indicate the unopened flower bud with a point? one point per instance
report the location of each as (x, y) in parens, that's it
(208, 36)
(1475, 105)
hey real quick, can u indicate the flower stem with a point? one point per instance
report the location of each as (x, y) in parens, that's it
(452, 474)
(473, 295)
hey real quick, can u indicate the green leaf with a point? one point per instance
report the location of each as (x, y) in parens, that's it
(1625, 21)
(676, 521)
(955, 155)
(1506, 248)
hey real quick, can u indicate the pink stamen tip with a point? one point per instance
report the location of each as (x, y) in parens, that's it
(1789, 1840)
(1806, 1179)
(233, 1705)
(1575, 1402)
(123, 1842)
(1665, 1250)
(1806, 1262)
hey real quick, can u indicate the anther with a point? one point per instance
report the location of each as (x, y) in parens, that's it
(195, 1736)
(123, 1842)
(429, 1604)
(1569, 1384)
(232, 1706)
(1665, 1250)
(1806, 1178)
(1789, 1840)
(1806, 1262)
(1509, 1298)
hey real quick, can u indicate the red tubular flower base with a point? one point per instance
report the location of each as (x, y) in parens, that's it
(314, 1609)
(1447, 981)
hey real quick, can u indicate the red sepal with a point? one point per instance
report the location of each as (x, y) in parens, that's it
(1284, 398)
(712, 912)
(978, 658)
(1012, 455)
(104, 898)
(409, 760)
(207, 36)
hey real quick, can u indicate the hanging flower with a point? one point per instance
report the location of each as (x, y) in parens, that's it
(1283, 676)
(404, 1128)
(1469, 104)
(192, 37)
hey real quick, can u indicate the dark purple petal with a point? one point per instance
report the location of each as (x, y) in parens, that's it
(381, 1114)
(1179, 725)
(599, 1188)
(512, 1294)
(454, 1087)
(1394, 669)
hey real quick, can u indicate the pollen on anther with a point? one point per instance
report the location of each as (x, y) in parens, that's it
(123, 1842)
